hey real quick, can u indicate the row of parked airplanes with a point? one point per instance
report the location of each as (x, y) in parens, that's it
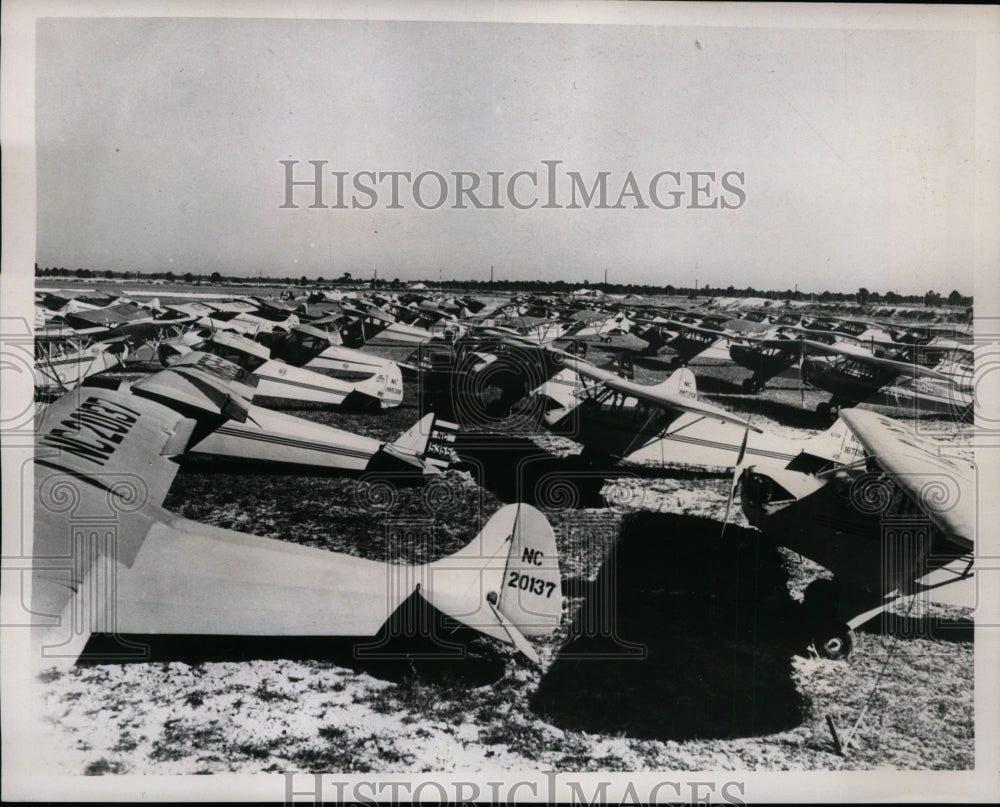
(890, 513)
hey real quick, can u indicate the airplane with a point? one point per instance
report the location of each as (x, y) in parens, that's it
(109, 453)
(662, 424)
(898, 521)
(597, 323)
(853, 378)
(782, 350)
(690, 341)
(279, 379)
(62, 364)
(317, 349)
(372, 326)
(218, 395)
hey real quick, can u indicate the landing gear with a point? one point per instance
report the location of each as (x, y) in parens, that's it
(752, 385)
(832, 638)
(828, 410)
(834, 641)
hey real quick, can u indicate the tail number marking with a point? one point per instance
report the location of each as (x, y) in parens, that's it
(527, 582)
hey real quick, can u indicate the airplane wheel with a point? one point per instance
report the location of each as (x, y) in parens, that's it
(823, 409)
(748, 385)
(675, 362)
(835, 642)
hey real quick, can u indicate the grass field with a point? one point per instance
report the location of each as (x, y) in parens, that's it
(680, 648)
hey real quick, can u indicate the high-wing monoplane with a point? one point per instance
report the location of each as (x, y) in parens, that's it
(103, 459)
(383, 388)
(853, 378)
(661, 424)
(899, 521)
(219, 396)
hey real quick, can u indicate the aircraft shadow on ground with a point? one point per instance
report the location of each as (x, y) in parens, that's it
(682, 635)
(515, 469)
(417, 640)
(663, 364)
(786, 414)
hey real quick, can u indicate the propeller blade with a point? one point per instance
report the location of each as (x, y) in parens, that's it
(736, 475)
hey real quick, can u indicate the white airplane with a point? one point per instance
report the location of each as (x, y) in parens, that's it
(899, 521)
(664, 424)
(218, 395)
(279, 379)
(108, 451)
(63, 364)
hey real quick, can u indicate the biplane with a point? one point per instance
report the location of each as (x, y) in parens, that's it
(109, 559)
(899, 521)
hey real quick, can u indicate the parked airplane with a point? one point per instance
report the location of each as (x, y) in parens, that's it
(663, 423)
(279, 379)
(62, 364)
(854, 378)
(109, 452)
(899, 521)
(218, 395)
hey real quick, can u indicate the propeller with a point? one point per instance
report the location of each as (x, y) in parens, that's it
(736, 476)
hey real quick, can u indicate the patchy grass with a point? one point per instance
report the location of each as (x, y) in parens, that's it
(701, 665)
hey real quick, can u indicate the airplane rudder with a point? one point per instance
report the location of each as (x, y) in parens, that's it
(531, 589)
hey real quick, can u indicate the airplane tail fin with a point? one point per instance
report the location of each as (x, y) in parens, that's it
(411, 448)
(680, 382)
(386, 386)
(837, 444)
(506, 582)
(559, 395)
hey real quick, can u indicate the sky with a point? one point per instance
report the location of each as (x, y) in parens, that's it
(159, 147)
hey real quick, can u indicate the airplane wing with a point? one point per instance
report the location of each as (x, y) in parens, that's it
(899, 367)
(652, 394)
(201, 382)
(102, 460)
(943, 487)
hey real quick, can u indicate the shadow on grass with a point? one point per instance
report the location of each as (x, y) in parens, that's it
(417, 639)
(515, 469)
(787, 414)
(682, 635)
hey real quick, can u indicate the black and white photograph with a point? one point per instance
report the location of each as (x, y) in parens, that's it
(593, 402)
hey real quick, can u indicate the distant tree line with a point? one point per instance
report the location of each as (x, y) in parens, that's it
(861, 297)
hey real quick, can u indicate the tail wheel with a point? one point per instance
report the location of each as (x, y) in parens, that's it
(835, 641)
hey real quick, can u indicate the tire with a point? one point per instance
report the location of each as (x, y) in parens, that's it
(823, 409)
(834, 642)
